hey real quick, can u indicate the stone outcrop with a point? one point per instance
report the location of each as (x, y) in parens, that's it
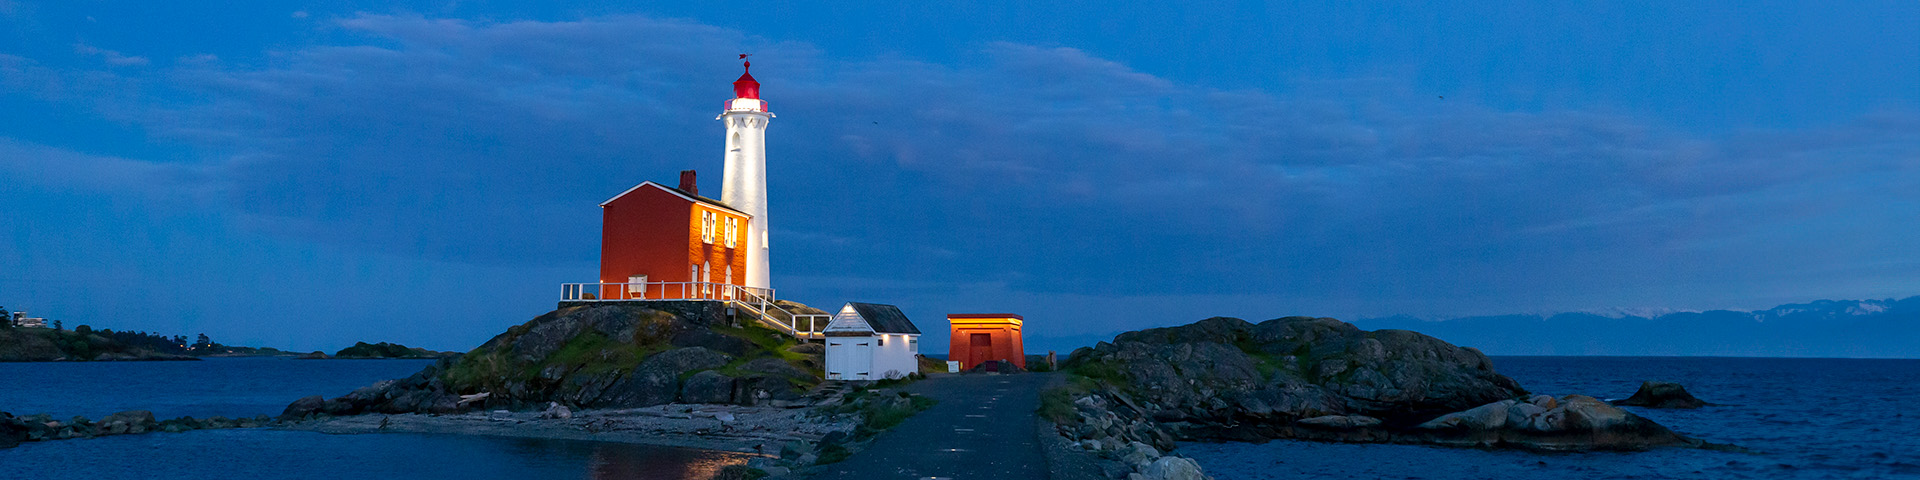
(35, 428)
(1662, 395)
(1323, 379)
(1569, 423)
(595, 355)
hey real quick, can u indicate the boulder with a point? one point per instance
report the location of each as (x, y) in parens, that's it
(1662, 395)
(300, 409)
(12, 431)
(557, 412)
(1575, 423)
(1173, 468)
(129, 422)
(1492, 416)
(762, 389)
(808, 348)
(707, 387)
(1139, 454)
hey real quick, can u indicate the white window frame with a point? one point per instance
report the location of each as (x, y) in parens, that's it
(733, 232)
(706, 226)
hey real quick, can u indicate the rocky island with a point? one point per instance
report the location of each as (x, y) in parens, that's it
(82, 343)
(1225, 379)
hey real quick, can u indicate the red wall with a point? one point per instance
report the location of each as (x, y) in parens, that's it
(1003, 339)
(653, 232)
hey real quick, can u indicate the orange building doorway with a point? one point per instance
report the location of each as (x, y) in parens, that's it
(984, 337)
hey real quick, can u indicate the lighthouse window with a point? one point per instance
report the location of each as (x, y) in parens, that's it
(706, 227)
(733, 231)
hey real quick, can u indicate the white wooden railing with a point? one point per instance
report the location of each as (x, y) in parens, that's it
(757, 302)
(590, 292)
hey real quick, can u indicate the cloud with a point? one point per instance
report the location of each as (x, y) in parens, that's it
(1044, 169)
(112, 57)
(69, 170)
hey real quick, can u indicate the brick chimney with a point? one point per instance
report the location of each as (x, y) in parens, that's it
(687, 183)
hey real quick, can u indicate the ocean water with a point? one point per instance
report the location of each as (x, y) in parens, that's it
(236, 387)
(231, 387)
(1806, 418)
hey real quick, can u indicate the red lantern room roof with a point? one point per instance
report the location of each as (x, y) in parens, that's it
(746, 86)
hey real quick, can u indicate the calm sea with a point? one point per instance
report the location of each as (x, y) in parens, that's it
(1808, 418)
(236, 387)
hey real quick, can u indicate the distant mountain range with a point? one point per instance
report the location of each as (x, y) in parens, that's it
(1825, 328)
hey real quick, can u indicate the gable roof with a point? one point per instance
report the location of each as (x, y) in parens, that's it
(884, 318)
(683, 194)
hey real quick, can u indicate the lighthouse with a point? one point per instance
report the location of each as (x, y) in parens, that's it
(744, 183)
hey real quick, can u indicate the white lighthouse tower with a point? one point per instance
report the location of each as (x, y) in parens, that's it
(745, 183)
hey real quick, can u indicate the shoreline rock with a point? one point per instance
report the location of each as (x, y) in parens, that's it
(1225, 379)
(42, 427)
(1654, 394)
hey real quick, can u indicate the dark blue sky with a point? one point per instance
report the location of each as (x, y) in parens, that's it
(302, 175)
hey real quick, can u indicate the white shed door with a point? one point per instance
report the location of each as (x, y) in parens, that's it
(849, 358)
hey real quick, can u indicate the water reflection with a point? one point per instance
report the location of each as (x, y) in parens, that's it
(624, 462)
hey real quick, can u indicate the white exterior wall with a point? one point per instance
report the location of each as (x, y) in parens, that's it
(896, 358)
(744, 184)
(881, 357)
(882, 353)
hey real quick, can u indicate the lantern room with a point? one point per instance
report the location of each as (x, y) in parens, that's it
(982, 337)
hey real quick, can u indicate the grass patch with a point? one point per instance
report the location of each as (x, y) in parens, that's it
(884, 415)
(879, 410)
(1056, 404)
(1101, 371)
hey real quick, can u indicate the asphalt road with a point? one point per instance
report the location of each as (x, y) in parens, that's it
(983, 428)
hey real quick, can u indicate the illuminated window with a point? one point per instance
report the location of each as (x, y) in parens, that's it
(706, 227)
(733, 231)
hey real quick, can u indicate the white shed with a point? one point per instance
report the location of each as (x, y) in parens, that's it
(867, 341)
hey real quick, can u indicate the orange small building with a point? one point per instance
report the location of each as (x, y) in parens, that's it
(653, 233)
(982, 337)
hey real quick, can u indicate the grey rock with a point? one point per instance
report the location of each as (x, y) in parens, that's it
(1341, 422)
(707, 387)
(657, 379)
(1173, 468)
(1663, 395)
(301, 408)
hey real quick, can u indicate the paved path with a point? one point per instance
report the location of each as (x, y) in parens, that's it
(983, 428)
